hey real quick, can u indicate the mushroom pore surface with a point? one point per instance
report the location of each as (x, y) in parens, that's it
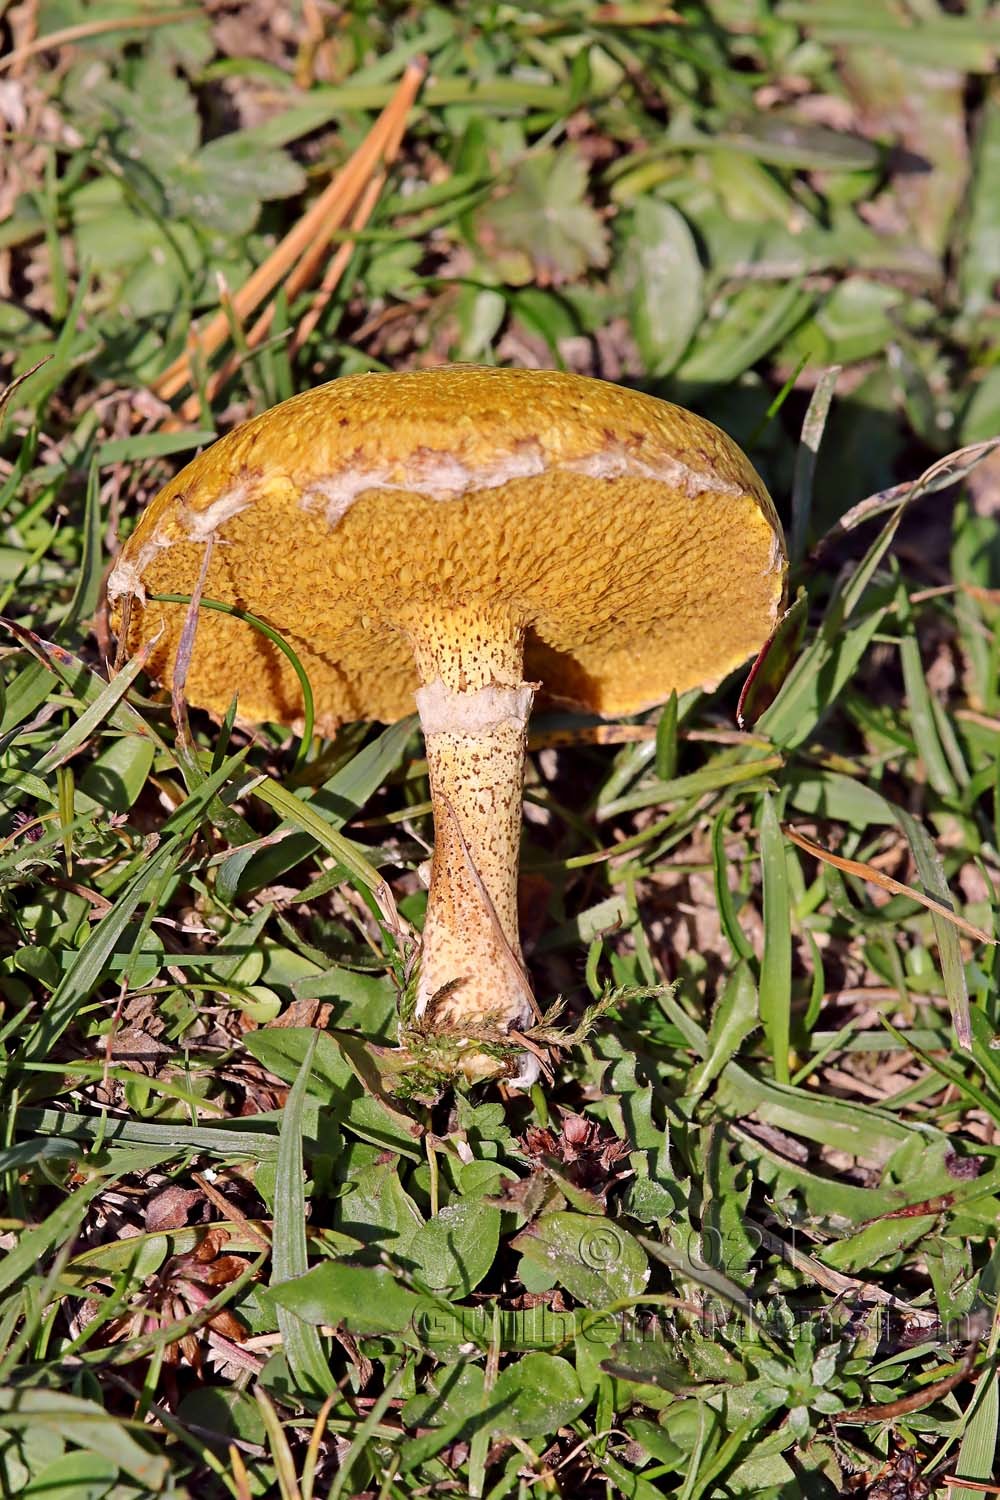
(629, 540)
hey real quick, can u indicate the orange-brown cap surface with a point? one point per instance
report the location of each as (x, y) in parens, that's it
(632, 540)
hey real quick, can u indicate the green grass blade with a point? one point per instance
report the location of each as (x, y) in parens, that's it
(922, 719)
(276, 639)
(776, 964)
(735, 936)
(339, 798)
(87, 592)
(302, 1344)
(365, 1432)
(310, 821)
(666, 740)
(89, 1426)
(101, 708)
(805, 460)
(931, 874)
(977, 1454)
(226, 1139)
(35, 1244)
(712, 779)
(84, 684)
(84, 976)
(143, 445)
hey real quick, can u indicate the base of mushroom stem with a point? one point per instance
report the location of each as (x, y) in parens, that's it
(426, 1065)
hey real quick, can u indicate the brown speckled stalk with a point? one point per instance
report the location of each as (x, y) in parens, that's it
(474, 708)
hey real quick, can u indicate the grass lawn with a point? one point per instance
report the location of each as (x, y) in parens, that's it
(740, 1238)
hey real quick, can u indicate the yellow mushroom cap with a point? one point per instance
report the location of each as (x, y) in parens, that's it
(631, 540)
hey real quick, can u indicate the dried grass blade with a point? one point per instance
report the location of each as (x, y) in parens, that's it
(258, 333)
(886, 883)
(7, 393)
(185, 649)
(393, 124)
(401, 104)
(945, 471)
(338, 264)
(66, 35)
(307, 239)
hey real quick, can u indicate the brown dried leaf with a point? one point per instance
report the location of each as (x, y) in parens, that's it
(170, 1209)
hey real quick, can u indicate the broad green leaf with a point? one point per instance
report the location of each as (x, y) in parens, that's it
(727, 1242)
(115, 778)
(229, 1412)
(455, 1249)
(594, 1258)
(753, 322)
(664, 279)
(75, 1476)
(86, 1425)
(834, 795)
(376, 1209)
(875, 1242)
(657, 1443)
(228, 179)
(540, 1393)
(855, 321)
(456, 1393)
(544, 222)
(366, 1300)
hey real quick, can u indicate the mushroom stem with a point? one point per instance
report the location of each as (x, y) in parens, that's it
(474, 709)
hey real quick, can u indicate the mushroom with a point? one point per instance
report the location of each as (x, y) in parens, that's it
(439, 537)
